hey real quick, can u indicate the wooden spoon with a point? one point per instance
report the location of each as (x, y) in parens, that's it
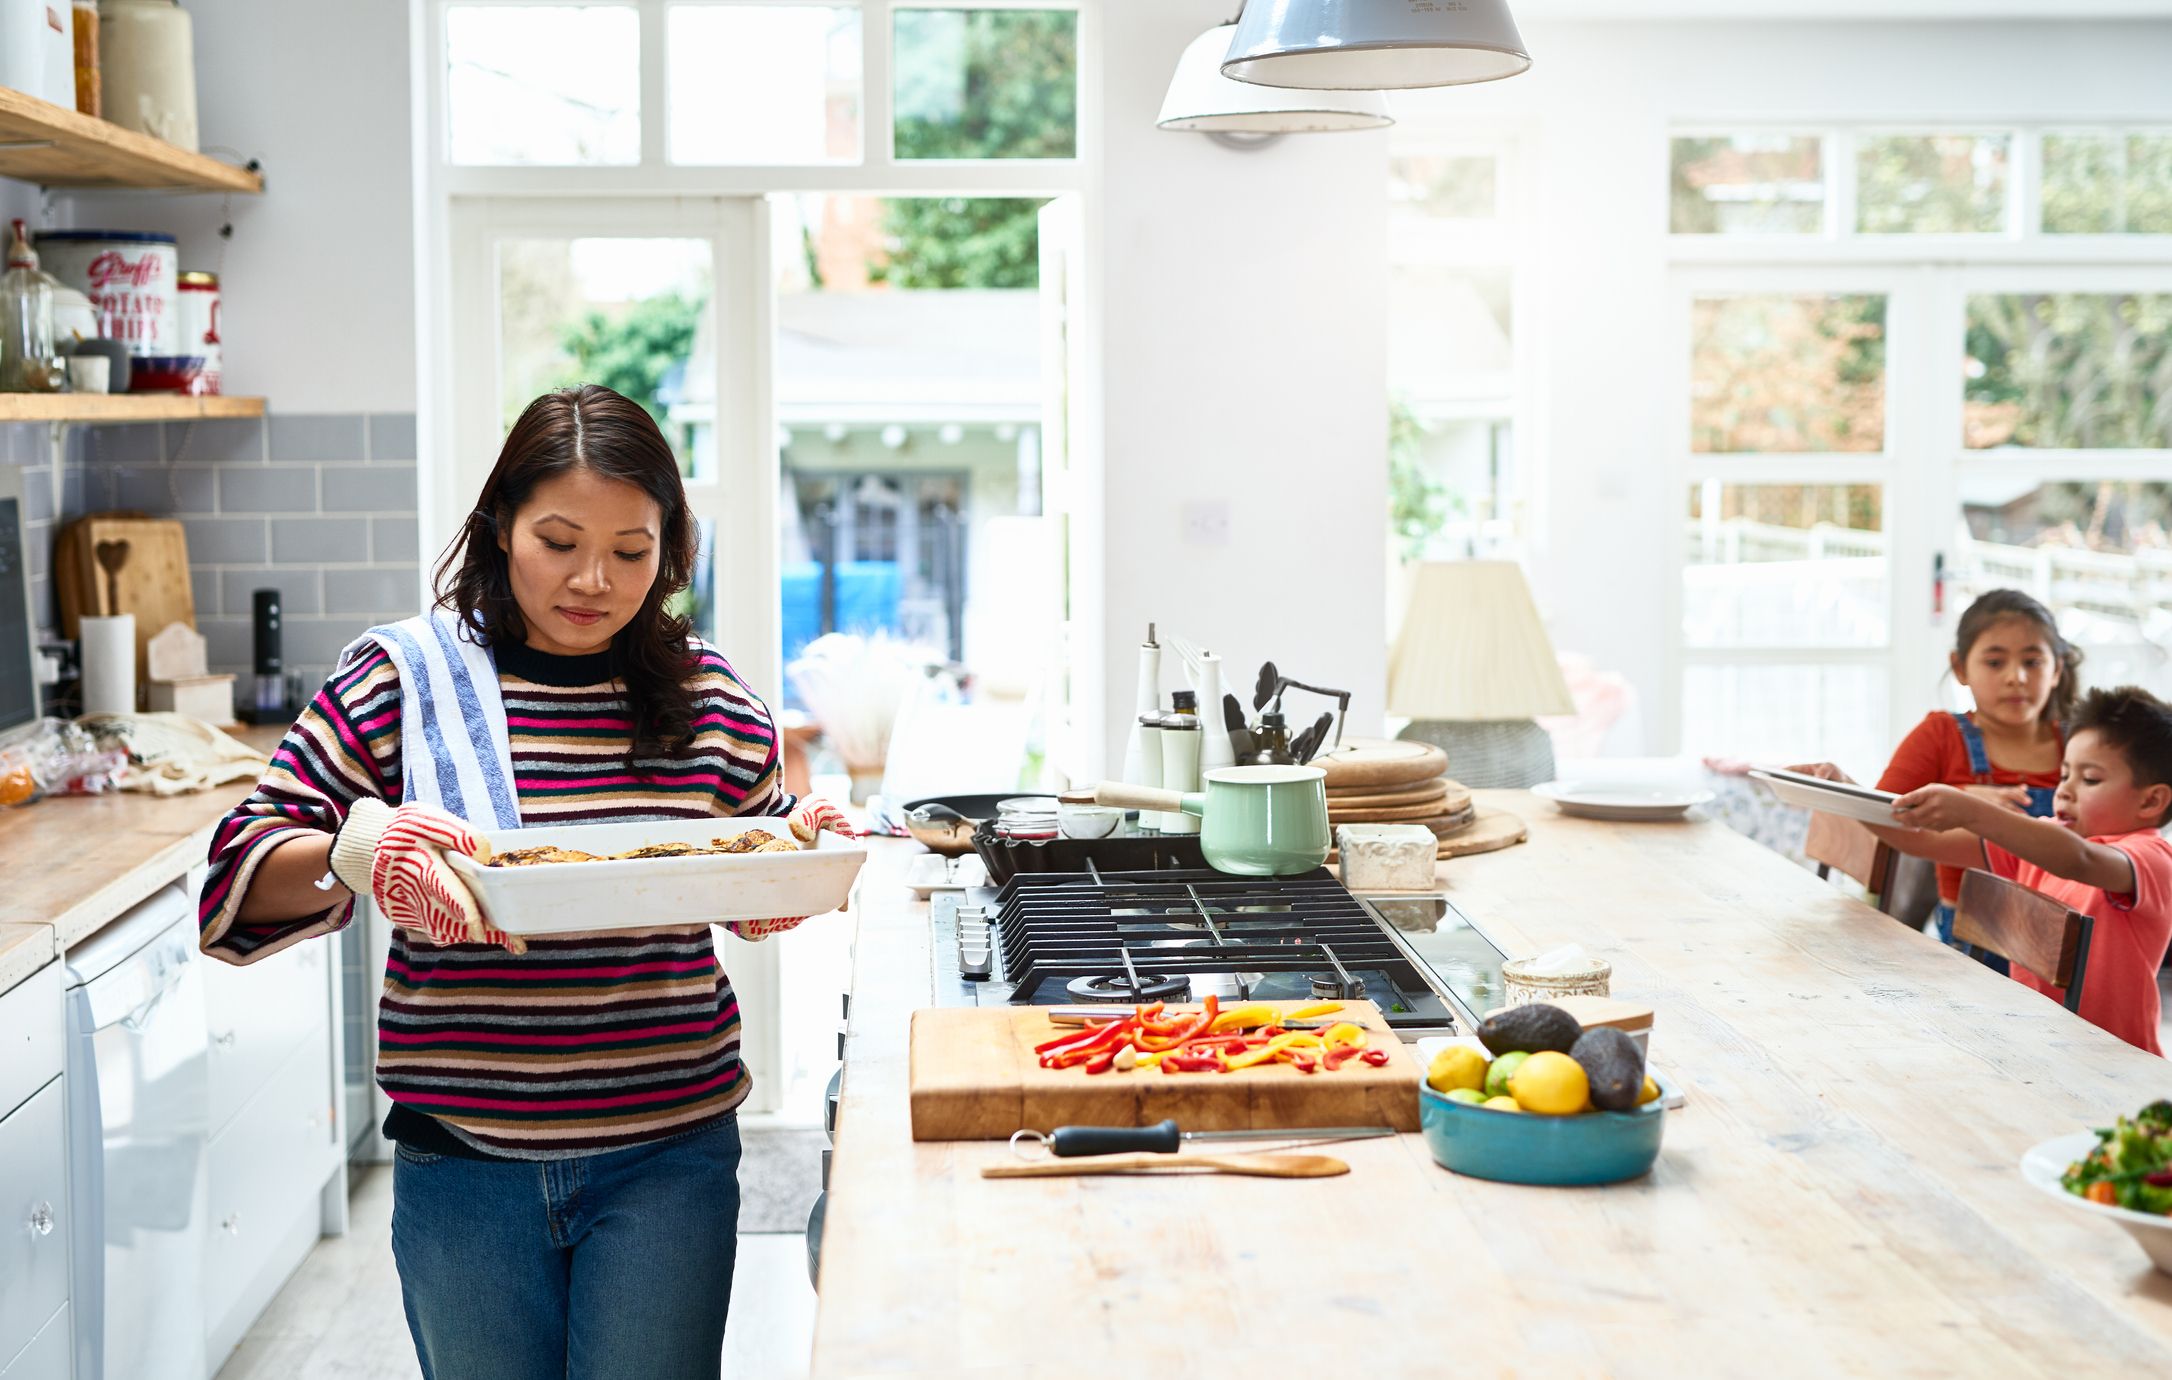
(112, 555)
(1258, 1166)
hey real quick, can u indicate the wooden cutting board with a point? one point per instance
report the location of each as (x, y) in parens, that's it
(153, 582)
(975, 1077)
(1391, 795)
(1397, 812)
(1376, 762)
(1491, 831)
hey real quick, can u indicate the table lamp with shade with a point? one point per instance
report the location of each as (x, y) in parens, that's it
(1472, 667)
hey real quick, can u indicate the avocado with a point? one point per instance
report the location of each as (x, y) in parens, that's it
(1614, 1065)
(1530, 1029)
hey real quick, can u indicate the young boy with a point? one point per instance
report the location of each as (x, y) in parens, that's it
(2101, 852)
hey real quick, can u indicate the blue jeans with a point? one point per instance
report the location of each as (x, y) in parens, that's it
(597, 1268)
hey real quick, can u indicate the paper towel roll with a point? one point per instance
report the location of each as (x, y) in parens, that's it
(109, 664)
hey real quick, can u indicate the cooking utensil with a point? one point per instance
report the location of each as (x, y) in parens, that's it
(1256, 821)
(1257, 1166)
(1165, 1138)
(1263, 689)
(1233, 722)
(112, 555)
(945, 823)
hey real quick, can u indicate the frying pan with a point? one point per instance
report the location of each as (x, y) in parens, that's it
(945, 822)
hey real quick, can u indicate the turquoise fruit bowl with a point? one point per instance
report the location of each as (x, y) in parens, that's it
(1521, 1148)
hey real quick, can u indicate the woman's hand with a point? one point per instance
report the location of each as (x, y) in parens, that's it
(1823, 771)
(812, 817)
(2015, 798)
(397, 857)
(1940, 807)
(755, 931)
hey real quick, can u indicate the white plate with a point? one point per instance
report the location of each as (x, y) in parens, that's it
(2043, 1165)
(932, 872)
(643, 893)
(1593, 800)
(1865, 803)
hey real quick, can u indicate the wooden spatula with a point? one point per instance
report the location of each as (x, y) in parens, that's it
(1258, 1166)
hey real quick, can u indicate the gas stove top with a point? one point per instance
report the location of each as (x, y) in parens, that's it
(1124, 937)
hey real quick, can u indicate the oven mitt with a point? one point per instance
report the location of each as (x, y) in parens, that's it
(808, 821)
(397, 858)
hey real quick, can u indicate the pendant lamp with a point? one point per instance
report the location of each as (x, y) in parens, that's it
(1374, 45)
(1201, 98)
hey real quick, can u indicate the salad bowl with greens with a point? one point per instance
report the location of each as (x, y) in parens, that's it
(2123, 1171)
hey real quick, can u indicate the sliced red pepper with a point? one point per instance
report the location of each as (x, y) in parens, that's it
(1102, 1062)
(1338, 1055)
(1378, 1058)
(1153, 1044)
(1304, 1063)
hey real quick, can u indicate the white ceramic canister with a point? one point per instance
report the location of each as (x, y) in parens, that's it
(1180, 737)
(33, 35)
(132, 279)
(147, 70)
(199, 314)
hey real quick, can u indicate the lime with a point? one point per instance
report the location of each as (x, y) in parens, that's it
(1473, 1096)
(1501, 1104)
(1503, 1069)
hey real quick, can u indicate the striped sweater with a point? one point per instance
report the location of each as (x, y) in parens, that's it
(590, 1041)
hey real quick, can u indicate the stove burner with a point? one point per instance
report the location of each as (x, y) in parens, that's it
(1329, 987)
(1116, 987)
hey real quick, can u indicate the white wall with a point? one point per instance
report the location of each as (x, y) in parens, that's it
(1243, 300)
(1599, 99)
(318, 280)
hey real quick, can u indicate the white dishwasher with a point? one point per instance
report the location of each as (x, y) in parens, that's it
(138, 1125)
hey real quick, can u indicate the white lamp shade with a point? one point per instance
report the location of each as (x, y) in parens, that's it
(1374, 45)
(1472, 648)
(1201, 98)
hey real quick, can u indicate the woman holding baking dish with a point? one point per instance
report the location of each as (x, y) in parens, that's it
(565, 1193)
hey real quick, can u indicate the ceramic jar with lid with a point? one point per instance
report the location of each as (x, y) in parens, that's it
(147, 69)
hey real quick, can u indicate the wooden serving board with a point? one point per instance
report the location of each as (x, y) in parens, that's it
(1391, 795)
(975, 1077)
(1417, 813)
(1491, 831)
(1375, 762)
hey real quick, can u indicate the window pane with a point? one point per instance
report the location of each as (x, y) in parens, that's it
(625, 313)
(1444, 186)
(2094, 551)
(1451, 486)
(2107, 184)
(1777, 374)
(764, 84)
(549, 84)
(1450, 333)
(986, 84)
(2069, 370)
(1748, 184)
(1789, 713)
(1931, 184)
(1784, 565)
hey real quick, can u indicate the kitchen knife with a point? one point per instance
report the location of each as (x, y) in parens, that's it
(1164, 1137)
(1257, 1166)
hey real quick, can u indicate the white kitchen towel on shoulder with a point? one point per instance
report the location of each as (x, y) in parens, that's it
(454, 751)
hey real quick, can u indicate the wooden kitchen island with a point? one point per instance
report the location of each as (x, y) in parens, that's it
(1839, 1195)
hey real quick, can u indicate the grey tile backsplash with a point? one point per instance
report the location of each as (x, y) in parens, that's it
(321, 508)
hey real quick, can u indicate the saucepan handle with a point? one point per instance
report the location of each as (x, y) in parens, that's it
(1125, 797)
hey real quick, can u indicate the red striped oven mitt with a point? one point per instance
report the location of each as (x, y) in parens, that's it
(397, 858)
(809, 821)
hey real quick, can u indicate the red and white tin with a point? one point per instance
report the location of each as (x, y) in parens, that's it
(132, 279)
(199, 308)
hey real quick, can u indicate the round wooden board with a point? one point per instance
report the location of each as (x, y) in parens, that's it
(1391, 814)
(1442, 795)
(1380, 762)
(1387, 795)
(1491, 831)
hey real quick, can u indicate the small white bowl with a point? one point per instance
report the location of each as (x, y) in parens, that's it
(2045, 1164)
(1088, 821)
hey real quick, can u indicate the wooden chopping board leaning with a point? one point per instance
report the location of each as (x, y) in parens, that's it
(114, 563)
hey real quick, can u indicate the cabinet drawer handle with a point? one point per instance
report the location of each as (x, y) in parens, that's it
(225, 1039)
(41, 1218)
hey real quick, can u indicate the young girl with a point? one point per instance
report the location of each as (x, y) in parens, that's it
(2023, 676)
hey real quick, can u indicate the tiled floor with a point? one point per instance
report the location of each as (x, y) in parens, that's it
(340, 1315)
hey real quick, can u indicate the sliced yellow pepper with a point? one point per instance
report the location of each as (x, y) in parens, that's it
(1147, 1061)
(1243, 1018)
(1345, 1033)
(1262, 1054)
(1318, 1008)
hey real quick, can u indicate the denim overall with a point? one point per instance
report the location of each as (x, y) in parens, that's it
(1979, 762)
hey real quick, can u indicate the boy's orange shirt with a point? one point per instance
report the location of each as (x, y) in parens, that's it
(1933, 755)
(2127, 943)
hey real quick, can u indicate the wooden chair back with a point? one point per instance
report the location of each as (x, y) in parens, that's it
(1838, 844)
(2025, 927)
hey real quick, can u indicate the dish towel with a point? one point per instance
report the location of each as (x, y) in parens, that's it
(454, 752)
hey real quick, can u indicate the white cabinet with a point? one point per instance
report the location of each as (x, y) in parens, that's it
(32, 1036)
(33, 1226)
(256, 1017)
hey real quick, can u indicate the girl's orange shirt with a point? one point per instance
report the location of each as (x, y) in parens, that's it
(1932, 754)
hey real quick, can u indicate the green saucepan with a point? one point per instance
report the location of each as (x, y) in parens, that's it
(1254, 821)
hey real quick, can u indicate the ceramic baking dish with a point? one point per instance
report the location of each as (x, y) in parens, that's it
(642, 893)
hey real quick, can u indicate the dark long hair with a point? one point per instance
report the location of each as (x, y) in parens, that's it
(591, 427)
(2001, 604)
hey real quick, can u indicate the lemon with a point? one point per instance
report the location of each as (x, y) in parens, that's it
(1501, 1104)
(1501, 1070)
(1475, 1097)
(1550, 1084)
(1456, 1067)
(1649, 1093)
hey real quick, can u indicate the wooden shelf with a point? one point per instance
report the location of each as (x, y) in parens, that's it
(40, 142)
(121, 407)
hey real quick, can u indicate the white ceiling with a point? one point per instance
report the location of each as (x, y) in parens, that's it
(2037, 10)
